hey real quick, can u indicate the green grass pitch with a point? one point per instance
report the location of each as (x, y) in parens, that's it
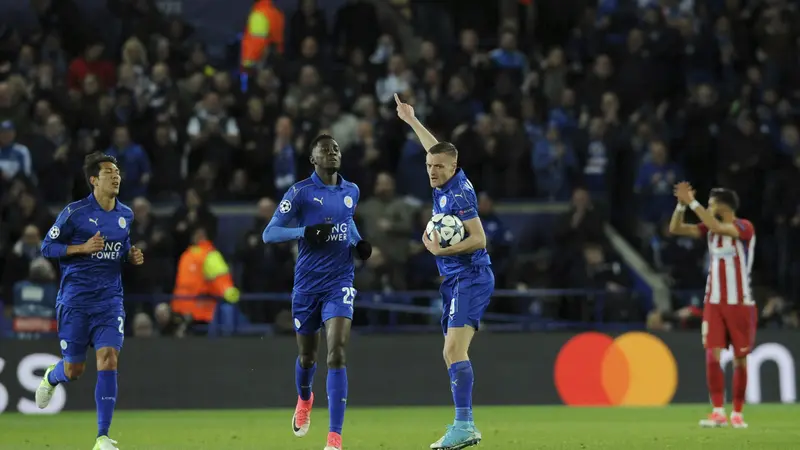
(522, 428)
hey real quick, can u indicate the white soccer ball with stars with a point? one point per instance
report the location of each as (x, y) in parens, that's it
(450, 228)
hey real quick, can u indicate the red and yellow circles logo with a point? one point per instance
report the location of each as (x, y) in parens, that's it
(635, 369)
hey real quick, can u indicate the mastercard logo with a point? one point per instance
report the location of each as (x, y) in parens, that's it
(635, 369)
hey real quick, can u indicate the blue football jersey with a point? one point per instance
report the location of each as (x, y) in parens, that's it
(457, 197)
(311, 202)
(90, 281)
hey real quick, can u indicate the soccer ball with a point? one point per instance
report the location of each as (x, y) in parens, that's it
(450, 228)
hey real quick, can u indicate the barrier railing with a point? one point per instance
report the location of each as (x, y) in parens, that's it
(511, 310)
(522, 310)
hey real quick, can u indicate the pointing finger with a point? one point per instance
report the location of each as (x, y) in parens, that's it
(397, 99)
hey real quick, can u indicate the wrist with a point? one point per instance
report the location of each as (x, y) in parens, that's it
(680, 207)
(694, 205)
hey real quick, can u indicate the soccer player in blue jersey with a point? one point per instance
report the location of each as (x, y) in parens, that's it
(468, 279)
(91, 240)
(318, 212)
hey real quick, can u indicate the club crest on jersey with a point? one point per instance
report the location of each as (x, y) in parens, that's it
(442, 201)
(348, 201)
(122, 222)
(54, 232)
(285, 206)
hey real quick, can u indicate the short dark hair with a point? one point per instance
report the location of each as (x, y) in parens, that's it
(725, 196)
(319, 138)
(443, 147)
(91, 165)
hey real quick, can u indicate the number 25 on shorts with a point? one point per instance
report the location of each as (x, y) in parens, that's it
(349, 295)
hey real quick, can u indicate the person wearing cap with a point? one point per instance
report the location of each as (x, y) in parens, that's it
(15, 158)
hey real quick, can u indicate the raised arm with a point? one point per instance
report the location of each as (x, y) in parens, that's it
(685, 194)
(406, 113)
(678, 227)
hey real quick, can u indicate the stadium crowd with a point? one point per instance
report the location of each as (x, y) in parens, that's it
(606, 110)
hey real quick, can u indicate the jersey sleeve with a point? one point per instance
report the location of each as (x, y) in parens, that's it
(288, 211)
(465, 203)
(353, 235)
(746, 229)
(126, 245)
(57, 240)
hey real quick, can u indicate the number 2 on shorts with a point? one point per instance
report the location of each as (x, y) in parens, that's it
(121, 325)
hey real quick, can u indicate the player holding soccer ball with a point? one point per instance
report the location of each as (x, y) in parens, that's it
(322, 209)
(729, 311)
(468, 284)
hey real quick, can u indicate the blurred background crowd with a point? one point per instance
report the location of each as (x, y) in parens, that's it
(595, 108)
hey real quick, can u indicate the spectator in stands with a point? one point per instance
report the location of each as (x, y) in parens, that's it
(581, 225)
(134, 164)
(169, 324)
(654, 184)
(595, 271)
(15, 158)
(744, 150)
(554, 163)
(166, 181)
(91, 62)
(421, 266)
(364, 158)
(148, 235)
(203, 283)
(35, 296)
(356, 26)
(597, 155)
(307, 21)
(499, 240)
(50, 153)
(680, 259)
(284, 156)
(254, 259)
(25, 210)
(193, 212)
(19, 258)
(399, 78)
(212, 132)
(142, 326)
(508, 57)
(374, 276)
(388, 220)
(342, 124)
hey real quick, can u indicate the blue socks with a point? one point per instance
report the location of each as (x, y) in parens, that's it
(461, 381)
(105, 396)
(337, 398)
(304, 379)
(57, 375)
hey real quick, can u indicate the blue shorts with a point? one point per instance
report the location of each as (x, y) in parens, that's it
(311, 311)
(79, 328)
(465, 297)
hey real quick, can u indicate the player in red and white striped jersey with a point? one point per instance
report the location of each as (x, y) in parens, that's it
(729, 312)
